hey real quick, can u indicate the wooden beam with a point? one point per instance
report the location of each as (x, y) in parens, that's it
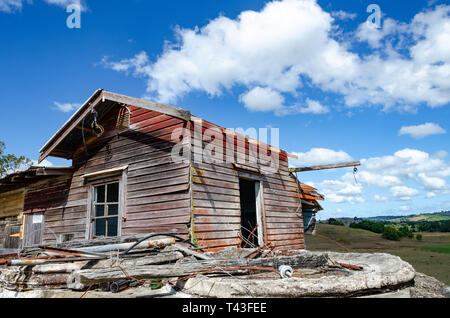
(60, 154)
(112, 171)
(81, 279)
(86, 129)
(54, 171)
(164, 109)
(191, 252)
(71, 125)
(325, 167)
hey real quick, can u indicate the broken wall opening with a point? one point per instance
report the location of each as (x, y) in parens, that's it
(251, 221)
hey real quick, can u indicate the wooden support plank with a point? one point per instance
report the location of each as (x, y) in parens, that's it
(325, 167)
(81, 279)
(164, 109)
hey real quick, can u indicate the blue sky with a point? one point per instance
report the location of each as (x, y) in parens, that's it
(337, 87)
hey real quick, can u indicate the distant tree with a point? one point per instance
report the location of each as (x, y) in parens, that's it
(375, 227)
(405, 231)
(391, 233)
(434, 226)
(333, 221)
(10, 163)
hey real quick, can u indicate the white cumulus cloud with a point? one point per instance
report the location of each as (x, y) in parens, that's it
(403, 176)
(343, 15)
(11, 6)
(432, 183)
(422, 131)
(291, 43)
(431, 195)
(314, 107)
(404, 193)
(262, 99)
(320, 156)
(374, 178)
(337, 191)
(66, 107)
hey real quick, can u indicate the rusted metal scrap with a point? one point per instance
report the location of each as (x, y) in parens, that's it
(347, 266)
(352, 267)
(29, 260)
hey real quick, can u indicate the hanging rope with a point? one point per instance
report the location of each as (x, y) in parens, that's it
(98, 129)
(355, 170)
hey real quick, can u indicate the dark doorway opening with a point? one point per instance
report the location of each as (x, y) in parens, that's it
(249, 220)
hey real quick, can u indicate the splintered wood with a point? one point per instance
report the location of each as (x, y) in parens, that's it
(86, 268)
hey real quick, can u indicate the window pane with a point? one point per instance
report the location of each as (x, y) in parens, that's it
(113, 209)
(99, 194)
(100, 227)
(113, 192)
(112, 226)
(100, 210)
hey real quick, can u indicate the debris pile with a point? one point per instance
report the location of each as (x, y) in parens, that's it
(131, 266)
(153, 261)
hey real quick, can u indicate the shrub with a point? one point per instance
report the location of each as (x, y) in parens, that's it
(391, 233)
(405, 231)
(419, 237)
(335, 222)
(368, 225)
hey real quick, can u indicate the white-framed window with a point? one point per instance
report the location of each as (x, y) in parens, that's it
(105, 209)
(106, 202)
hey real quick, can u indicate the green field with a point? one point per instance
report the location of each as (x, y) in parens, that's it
(429, 256)
(438, 248)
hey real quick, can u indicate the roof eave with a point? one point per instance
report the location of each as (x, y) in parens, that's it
(101, 96)
(50, 144)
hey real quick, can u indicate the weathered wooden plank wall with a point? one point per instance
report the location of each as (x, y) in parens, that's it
(11, 207)
(217, 202)
(157, 189)
(54, 198)
(34, 227)
(11, 202)
(9, 226)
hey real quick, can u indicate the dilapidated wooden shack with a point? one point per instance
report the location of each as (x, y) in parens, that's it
(140, 167)
(21, 210)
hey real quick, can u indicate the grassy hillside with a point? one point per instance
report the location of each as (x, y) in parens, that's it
(430, 256)
(427, 217)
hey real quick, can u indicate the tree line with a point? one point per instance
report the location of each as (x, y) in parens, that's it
(390, 232)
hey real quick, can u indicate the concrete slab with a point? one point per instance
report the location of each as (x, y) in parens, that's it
(380, 272)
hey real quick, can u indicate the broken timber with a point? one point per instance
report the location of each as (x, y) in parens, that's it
(325, 167)
(82, 279)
